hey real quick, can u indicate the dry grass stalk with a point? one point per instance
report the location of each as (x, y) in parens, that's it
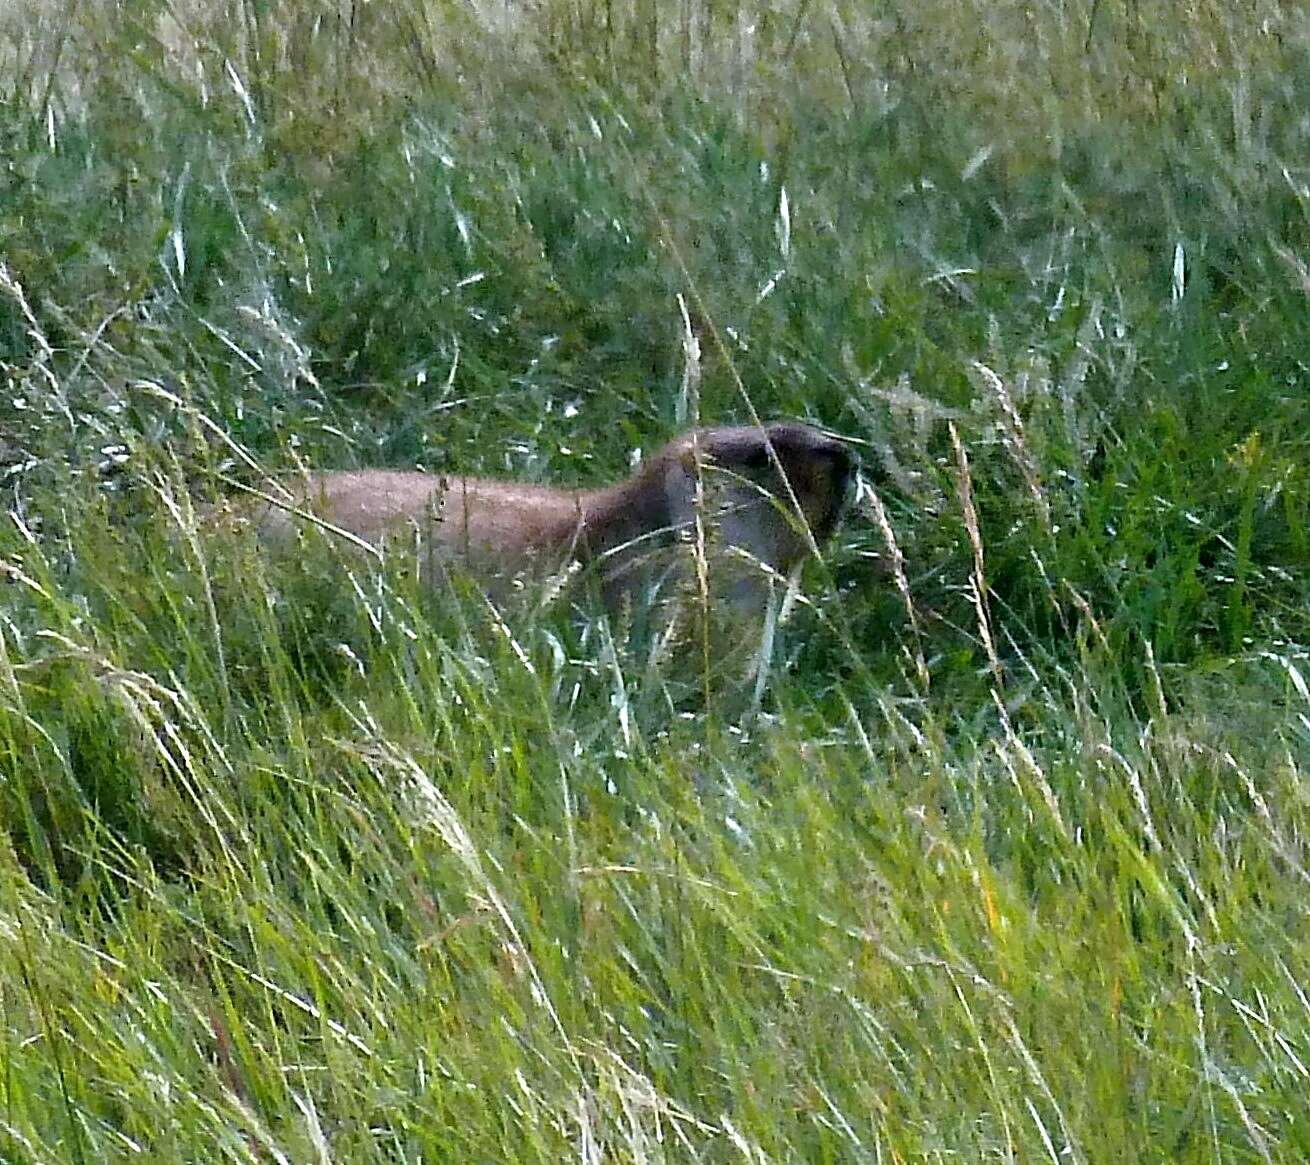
(978, 584)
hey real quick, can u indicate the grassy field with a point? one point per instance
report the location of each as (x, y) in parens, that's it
(1010, 861)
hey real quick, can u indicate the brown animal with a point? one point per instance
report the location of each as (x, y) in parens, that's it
(748, 503)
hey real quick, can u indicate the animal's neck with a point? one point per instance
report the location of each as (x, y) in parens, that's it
(625, 514)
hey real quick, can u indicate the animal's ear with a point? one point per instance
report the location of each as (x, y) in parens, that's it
(756, 455)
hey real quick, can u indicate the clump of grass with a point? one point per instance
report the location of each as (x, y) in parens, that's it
(999, 858)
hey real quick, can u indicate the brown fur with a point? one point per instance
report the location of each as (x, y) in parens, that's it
(720, 488)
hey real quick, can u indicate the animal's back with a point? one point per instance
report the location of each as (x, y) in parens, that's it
(452, 515)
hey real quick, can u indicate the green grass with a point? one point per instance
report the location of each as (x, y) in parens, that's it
(301, 865)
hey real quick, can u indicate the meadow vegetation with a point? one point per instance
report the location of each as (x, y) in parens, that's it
(1006, 861)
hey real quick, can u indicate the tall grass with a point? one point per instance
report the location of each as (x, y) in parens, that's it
(1005, 861)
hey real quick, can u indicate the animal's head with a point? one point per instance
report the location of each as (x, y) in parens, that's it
(775, 493)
